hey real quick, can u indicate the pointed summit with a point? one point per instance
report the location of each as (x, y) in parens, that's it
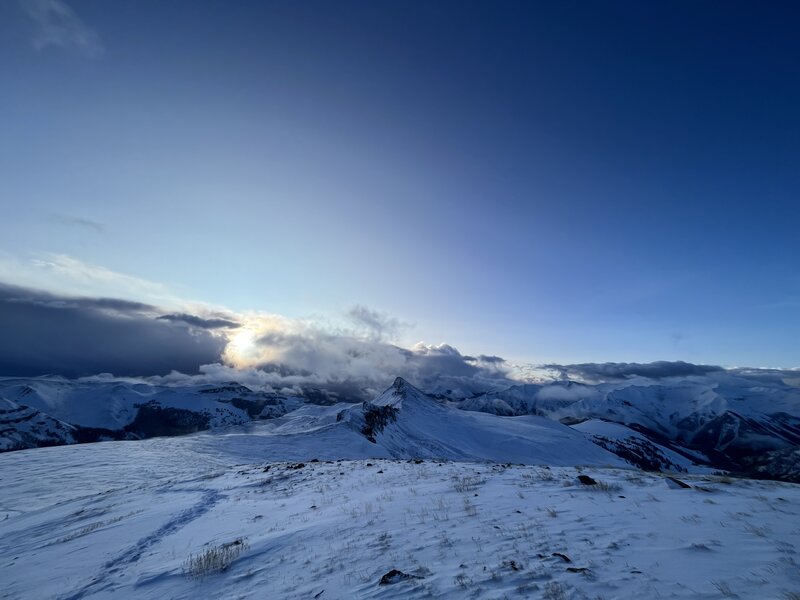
(400, 383)
(395, 394)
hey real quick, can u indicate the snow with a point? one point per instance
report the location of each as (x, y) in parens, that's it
(22, 427)
(606, 433)
(427, 428)
(659, 404)
(308, 505)
(114, 404)
(406, 496)
(121, 519)
(723, 418)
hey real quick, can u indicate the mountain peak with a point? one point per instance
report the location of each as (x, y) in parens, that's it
(395, 394)
(400, 383)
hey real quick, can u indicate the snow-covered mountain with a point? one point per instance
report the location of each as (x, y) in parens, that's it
(411, 424)
(25, 427)
(725, 420)
(403, 422)
(722, 418)
(117, 409)
(636, 449)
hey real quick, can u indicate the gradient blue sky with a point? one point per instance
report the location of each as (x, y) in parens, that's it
(545, 181)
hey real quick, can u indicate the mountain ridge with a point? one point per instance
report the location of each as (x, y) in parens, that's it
(711, 421)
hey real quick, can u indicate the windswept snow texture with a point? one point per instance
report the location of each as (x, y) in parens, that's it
(122, 519)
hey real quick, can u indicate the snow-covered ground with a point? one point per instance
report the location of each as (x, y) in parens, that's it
(124, 519)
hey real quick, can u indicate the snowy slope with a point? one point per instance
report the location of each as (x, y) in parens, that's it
(416, 426)
(25, 427)
(115, 404)
(726, 416)
(144, 509)
(117, 409)
(638, 450)
(726, 420)
(411, 424)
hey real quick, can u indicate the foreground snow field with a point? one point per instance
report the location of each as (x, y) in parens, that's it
(156, 519)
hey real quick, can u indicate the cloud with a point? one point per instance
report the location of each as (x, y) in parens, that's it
(79, 222)
(88, 274)
(488, 359)
(598, 372)
(76, 336)
(377, 326)
(57, 25)
(789, 377)
(44, 333)
(69, 276)
(195, 321)
(299, 353)
(43, 299)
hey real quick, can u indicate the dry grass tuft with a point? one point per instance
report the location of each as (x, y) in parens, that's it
(215, 559)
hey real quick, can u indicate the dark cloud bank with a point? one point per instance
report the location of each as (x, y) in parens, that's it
(43, 333)
(597, 372)
(195, 321)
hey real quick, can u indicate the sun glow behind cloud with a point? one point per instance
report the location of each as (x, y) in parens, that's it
(241, 347)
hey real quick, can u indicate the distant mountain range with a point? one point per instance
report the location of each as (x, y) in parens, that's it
(719, 420)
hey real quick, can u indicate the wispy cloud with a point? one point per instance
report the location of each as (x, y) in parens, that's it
(65, 275)
(94, 279)
(57, 25)
(79, 222)
(375, 325)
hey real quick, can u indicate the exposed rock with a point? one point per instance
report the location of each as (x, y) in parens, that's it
(396, 576)
(563, 557)
(154, 420)
(677, 484)
(376, 418)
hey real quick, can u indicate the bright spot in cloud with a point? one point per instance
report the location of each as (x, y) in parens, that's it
(241, 348)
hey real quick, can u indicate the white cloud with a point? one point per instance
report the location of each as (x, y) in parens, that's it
(65, 274)
(272, 349)
(57, 25)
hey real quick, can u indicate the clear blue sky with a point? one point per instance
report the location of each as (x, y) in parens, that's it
(545, 181)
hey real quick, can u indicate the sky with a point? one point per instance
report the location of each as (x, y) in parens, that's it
(546, 182)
